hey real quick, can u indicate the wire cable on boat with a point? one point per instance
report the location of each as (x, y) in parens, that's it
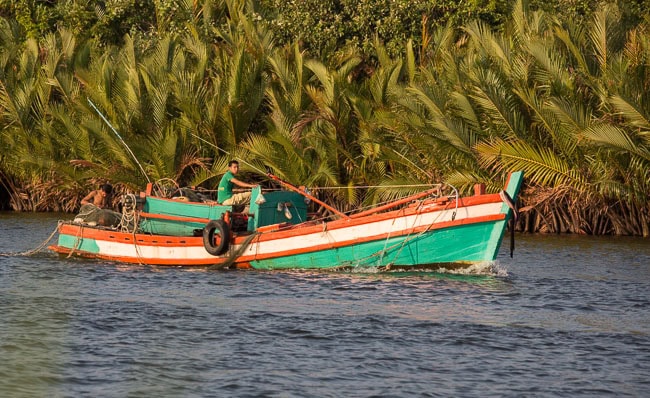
(383, 251)
(135, 240)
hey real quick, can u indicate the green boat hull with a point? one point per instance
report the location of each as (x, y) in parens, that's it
(461, 244)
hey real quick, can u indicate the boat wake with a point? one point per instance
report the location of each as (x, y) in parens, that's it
(482, 269)
(489, 268)
(486, 268)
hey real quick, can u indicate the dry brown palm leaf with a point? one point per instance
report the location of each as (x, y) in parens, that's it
(83, 163)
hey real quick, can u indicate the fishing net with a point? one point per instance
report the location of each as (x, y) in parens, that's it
(92, 215)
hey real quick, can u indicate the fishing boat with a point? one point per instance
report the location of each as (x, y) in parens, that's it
(427, 229)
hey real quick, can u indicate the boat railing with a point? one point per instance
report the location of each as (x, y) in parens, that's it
(397, 203)
(435, 193)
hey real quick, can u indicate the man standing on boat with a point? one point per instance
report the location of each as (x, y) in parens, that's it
(225, 195)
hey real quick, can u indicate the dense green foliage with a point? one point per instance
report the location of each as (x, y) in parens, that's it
(565, 100)
(323, 27)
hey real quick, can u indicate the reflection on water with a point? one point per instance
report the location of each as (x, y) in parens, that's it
(567, 316)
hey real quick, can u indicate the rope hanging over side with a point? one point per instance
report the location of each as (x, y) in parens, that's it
(77, 242)
(411, 237)
(235, 254)
(37, 248)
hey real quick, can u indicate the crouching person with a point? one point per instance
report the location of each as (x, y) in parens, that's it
(96, 208)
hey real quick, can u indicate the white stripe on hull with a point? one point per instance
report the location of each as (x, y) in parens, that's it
(392, 227)
(120, 249)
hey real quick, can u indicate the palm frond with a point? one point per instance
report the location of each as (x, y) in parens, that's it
(632, 112)
(615, 138)
(541, 165)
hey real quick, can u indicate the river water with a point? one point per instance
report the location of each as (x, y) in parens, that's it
(567, 316)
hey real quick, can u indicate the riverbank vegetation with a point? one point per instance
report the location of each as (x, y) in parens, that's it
(394, 98)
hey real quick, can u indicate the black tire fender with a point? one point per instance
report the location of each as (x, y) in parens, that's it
(216, 237)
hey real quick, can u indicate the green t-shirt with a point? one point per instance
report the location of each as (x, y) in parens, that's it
(225, 187)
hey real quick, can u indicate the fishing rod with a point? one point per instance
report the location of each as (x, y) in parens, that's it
(120, 137)
(282, 182)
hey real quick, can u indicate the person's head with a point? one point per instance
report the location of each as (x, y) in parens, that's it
(107, 189)
(233, 166)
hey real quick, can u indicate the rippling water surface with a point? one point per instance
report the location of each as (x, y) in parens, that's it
(568, 316)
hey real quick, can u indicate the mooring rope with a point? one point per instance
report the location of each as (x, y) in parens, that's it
(129, 215)
(37, 248)
(137, 248)
(78, 240)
